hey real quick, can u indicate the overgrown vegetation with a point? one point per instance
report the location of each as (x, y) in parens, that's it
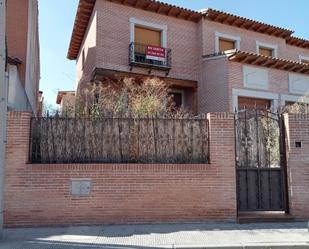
(302, 106)
(125, 98)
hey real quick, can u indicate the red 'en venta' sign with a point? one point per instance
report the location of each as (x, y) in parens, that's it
(155, 53)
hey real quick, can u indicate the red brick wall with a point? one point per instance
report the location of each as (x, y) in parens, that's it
(219, 77)
(248, 40)
(122, 193)
(213, 87)
(298, 164)
(17, 16)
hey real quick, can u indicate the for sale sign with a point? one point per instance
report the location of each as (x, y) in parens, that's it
(155, 53)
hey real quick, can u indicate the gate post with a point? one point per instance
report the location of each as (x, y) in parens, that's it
(222, 154)
(222, 138)
(297, 151)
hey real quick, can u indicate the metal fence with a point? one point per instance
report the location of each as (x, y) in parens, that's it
(119, 140)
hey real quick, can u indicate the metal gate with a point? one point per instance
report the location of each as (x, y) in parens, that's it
(260, 161)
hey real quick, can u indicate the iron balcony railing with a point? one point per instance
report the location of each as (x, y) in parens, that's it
(138, 57)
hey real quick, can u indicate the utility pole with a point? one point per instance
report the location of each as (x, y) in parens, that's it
(3, 106)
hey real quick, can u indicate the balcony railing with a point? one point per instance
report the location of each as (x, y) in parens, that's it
(139, 56)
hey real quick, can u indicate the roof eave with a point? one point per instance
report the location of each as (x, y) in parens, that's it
(269, 62)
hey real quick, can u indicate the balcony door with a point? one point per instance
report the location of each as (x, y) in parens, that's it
(147, 36)
(143, 37)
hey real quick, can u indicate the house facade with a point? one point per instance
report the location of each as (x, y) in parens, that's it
(213, 61)
(65, 100)
(23, 64)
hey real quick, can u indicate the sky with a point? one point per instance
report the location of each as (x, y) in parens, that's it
(57, 17)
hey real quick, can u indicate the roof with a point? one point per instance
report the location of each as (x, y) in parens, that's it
(61, 94)
(245, 23)
(267, 61)
(85, 9)
(299, 42)
(83, 15)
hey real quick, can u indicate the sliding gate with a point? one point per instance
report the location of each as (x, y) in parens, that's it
(260, 161)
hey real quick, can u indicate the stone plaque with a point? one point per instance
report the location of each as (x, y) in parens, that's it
(80, 187)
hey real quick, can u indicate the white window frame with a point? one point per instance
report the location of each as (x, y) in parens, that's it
(228, 37)
(274, 47)
(173, 90)
(154, 26)
(302, 57)
(291, 98)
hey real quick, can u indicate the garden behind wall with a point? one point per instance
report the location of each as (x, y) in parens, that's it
(129, 190)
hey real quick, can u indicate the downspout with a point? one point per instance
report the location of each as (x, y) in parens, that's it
(3, 107)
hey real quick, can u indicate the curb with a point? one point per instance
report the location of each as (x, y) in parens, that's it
(304, 245)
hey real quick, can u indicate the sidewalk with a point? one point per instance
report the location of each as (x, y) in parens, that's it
(211, 235)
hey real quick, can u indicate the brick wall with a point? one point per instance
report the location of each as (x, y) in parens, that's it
(17, 16)
(219, 77)
(213, 85)
(107, 41)
(298, 164)
(38, 195)
(248, 40)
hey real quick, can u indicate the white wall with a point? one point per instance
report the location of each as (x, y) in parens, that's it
(17, 97)
(298, 84)
(256, 78)
(33, 56)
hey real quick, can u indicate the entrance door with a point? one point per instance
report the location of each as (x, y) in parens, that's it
(253, 103)
(260, 161)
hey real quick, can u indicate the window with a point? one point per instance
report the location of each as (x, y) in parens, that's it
(147, 36)
(225, 45)
(226, 42)
(177, 97)
(253, 103)
(144, 36)
(147, 32)
(266, 51)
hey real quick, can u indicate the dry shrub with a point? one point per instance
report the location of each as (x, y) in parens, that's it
(300, 107)
(127, 98)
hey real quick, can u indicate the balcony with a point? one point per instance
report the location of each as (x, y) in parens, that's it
(152, 57)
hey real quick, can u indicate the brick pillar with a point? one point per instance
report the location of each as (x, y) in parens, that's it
(297, 129)
(18, 135)
(222, 138)
(222, 153)
(17, 147)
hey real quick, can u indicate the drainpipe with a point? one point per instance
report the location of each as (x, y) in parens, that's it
(3, 107)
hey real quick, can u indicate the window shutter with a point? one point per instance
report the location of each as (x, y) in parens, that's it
(266, 52)
(147, 36)
(225, 45)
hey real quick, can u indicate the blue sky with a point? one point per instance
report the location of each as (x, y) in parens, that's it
(57, 18)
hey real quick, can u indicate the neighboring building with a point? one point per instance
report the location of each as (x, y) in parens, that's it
(265, 66)
(23, 50)
(250, 64)
(66, 101)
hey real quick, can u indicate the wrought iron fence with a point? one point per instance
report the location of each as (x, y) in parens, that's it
(137, 56)
(119, 140)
